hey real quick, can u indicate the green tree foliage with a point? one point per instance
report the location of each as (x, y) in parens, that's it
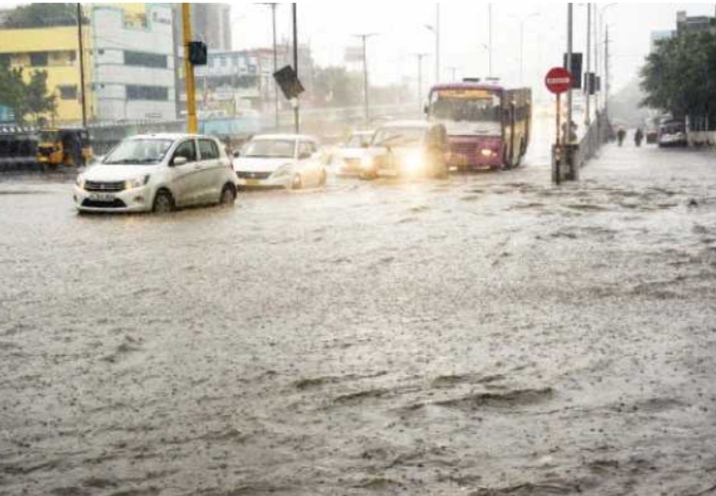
(36, 15)
(680, 75)
(31, 98)
(336, 87)
(13, 91)
(38, 101)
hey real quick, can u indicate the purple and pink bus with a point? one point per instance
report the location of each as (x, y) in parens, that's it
(488, 126)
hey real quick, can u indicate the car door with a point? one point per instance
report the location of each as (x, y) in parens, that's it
(212, 170)
(185, 180)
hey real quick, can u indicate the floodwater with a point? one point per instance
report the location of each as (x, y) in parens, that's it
(489, 334)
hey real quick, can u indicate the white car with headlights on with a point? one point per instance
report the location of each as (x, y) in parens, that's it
(346, 158)
(291, 161)
(409, 149)
(158, 172)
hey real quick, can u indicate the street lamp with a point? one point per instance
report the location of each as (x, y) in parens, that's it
(366, 100)
(420, 57)
(522, 21)
(275, 62)
(598, 46)
(436, 31)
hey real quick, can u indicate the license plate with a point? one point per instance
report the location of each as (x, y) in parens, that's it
(252, 182)
(102, 197)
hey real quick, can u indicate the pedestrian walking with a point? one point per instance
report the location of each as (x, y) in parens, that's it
(621, 134)
(638, 136)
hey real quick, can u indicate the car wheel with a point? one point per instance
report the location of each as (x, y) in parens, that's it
(163, 202)
(297, 182)
(228, 196)
(322, 178)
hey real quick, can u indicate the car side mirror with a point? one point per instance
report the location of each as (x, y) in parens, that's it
(365, 144)
(176, 161)
(304, 156)
(237, 154)
(426, 109)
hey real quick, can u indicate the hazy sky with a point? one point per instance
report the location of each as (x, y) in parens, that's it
(464, 33)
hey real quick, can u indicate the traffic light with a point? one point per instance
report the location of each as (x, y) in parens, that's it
(576, 69)
(288, 81)
(197, 52)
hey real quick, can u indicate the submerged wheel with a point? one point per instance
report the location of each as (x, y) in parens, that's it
(322, 179)
(228, 196)
(163, 202)
(297, 182)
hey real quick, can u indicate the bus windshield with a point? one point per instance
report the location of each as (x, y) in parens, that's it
(467, 112)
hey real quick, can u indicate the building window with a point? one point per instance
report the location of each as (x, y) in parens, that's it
(145, 59)
(68, 92)
(223, 61)
(73, 57)
(5, 59)
(138, 92)
(38, 59)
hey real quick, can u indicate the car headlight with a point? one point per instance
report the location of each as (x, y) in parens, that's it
(80, 182)
(137, 182)
(414, 162)
(367, 162)
(283, 171)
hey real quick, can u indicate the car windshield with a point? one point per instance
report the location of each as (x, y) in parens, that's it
(139, 151)
(398, 136)
(358, 141)
(278, 148)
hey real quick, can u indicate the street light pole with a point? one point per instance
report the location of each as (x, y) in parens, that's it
(295, 66)
(437, 43)
(366, 86)
(587, 119)
(568, 133)
(598, 47)
(275, 64)
(81, 56)
(420, 80)
(189, 70)
(489, 28)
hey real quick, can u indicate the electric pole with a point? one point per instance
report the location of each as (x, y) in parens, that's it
(81, 56)
(295, 66)
(489, 15)
(606, 72)
(420, 81)
(189, 70)
(588, 81)
(568, 133)
(366, 99)
(275, 63)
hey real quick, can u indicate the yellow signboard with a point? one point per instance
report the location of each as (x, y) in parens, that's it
(467, 94)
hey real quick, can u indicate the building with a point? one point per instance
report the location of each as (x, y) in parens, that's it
(128, 56)
(53, 50)
(132, 63)
(212, 24)
(686, 24)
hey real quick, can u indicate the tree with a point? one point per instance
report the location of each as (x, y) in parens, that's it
(38, 100)
(13, 91)
(37, 15)
(336, 87)
(680, 77)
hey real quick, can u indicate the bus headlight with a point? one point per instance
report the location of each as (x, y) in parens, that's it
(486, 152)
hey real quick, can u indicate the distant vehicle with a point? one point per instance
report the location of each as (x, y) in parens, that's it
(672, 133)
(291, 161)
(488, 125)
(346, 159)
(407, 148)
(68, 146)
(158, 172)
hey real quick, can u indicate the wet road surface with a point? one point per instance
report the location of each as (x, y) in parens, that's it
(489, 334)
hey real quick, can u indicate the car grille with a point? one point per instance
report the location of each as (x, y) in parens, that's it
(117, 203)
(253, 175)
(352, 163)
(104, 186)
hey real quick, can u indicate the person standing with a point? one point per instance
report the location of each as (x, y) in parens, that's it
(621, 134)
(638, 136)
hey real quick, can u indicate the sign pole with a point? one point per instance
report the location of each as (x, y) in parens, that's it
(556, 160)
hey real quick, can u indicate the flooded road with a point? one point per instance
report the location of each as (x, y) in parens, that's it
(489, 334)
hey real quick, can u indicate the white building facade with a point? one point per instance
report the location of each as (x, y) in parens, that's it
(133, 64)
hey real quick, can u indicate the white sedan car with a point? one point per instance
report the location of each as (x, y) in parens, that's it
(346, 159)
(292, 161)
(157, 172)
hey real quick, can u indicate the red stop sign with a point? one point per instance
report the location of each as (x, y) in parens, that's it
(558, 80)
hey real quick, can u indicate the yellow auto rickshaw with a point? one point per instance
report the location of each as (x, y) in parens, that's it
(67, 146)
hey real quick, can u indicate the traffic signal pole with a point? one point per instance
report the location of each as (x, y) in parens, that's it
(192, 126)
(296, 117)
(81, 54)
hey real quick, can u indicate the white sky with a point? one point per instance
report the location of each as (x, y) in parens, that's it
(464, 30)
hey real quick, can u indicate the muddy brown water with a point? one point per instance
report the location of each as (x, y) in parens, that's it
(489, 334)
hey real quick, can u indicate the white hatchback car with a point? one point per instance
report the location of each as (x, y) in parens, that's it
(346, 159)
(281, 160)
(158, 172)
